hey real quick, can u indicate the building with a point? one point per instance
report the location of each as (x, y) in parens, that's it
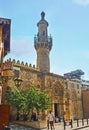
(85, 84)
(65, 93)
(85, 101)
(74, 74)
(85, 98)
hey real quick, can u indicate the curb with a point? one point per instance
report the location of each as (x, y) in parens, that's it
(80, 127)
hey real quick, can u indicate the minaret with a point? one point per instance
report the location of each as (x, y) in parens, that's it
(43, 45)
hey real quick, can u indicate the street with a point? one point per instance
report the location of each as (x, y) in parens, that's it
(58, 126)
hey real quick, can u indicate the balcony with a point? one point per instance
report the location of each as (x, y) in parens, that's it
(37, 39)
(42, 43)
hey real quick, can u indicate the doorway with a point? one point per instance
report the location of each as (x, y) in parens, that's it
(56, 109)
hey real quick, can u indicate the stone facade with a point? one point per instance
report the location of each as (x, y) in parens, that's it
(66, 94)
(85, 100)
(76, 96)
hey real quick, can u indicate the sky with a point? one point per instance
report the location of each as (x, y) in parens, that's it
(68, 25)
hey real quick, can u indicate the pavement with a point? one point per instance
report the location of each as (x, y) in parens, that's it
(58, 126)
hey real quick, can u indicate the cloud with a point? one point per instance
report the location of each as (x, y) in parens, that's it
(22, 48)
(81, 2)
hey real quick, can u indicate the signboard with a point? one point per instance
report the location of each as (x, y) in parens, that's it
(8, 65)
(5, 34)
(4, 115)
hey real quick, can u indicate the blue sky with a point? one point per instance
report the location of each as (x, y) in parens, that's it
(68, 24)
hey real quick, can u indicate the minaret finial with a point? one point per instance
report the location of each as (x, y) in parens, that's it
(42, 15)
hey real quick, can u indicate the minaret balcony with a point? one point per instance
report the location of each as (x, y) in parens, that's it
(39, 43)
(37, 39)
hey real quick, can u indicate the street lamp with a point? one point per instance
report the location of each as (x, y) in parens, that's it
(18, 82)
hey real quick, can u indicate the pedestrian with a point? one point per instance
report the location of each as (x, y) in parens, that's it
(51, 119)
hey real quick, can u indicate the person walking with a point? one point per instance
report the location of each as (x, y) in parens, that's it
(51, 120)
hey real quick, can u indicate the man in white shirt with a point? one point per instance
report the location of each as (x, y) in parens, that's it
(51, 119)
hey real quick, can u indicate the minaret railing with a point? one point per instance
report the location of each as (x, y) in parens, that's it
(37, 39)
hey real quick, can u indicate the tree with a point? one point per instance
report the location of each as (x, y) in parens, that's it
(44, 102)
(17, 100)
(31, 95)
(28, 100)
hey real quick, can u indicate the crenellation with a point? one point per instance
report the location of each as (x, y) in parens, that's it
(33, 66)
(26, 64)
(30, 65)
(21, 64)
(14, 61)
(18, 62)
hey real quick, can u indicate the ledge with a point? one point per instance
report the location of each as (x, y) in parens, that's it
(33, 124)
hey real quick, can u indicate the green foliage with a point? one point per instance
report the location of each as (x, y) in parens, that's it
(44, 101)
(29, 100)
(16, 99)
(32, 97)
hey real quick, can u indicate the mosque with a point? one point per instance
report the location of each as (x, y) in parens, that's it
(65, 92)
